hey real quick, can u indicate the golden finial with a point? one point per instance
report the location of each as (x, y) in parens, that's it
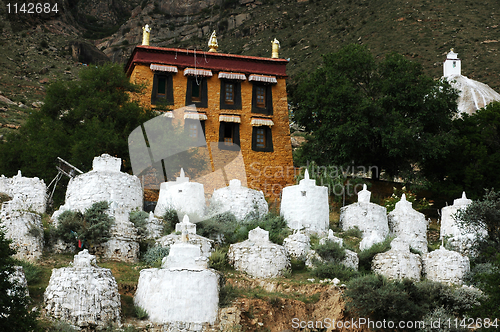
(146, 30)
(212, 43)
(276, 46)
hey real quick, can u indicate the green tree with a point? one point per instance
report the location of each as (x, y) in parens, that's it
(14, 312)
(386, 114)
(79, 120)
(472, 160)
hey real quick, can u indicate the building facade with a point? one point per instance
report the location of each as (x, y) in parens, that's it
(239, 100)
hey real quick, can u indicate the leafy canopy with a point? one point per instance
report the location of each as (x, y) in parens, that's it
(79, 120)
(386, 114)
(472, 160)
(15, 315)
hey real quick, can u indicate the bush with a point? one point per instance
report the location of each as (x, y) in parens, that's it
(225, 228)
(218, 259)
(140, 313)
(227, 294)
(335, 270)
(154, 255)
(330, 251)
(442, 316)
(31, 271)
(92, 227)
(366, 256)
(378, 298)
(169, 220)
(140, 221)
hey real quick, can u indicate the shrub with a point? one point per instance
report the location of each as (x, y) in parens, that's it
(330, 251)
(378, 298)
(335, 270)
(227, 294)
(442, 316)
(225, 228)
(154, 255)
(366, 256)
(31, 271)
(169, 220)
(140, 313)
(355, 232)
(218, 259)
(140, 221)
(91, 227)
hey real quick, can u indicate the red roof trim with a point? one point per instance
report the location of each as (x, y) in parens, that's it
(206, 60)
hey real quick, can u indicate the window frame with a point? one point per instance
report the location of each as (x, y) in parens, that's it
(169, 91)
(268, 108)
(236, 105)
(203, 103)
(268, 139)
(236, 135)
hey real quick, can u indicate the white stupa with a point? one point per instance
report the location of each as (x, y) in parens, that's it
(473, 94)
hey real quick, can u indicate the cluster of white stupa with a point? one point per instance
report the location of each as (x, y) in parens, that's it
(183, 292)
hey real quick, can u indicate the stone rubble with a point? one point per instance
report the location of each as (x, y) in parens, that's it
(187, 198)
(409, 225)
(184, 293)
(83, 294)
(369, 217)
(238, 200)
(259, 257)
(398, 262)
(306, 206)
(445, 266)
(19, 278)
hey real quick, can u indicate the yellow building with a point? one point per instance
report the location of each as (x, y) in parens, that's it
(239, 99)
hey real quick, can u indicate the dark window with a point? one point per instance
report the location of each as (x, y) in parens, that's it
(262, 139)
(230, 95)
(163, 92)
(229, 135)
(196, 92)
(262, 99)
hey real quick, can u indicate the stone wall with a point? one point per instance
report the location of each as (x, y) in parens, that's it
(83, 294)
